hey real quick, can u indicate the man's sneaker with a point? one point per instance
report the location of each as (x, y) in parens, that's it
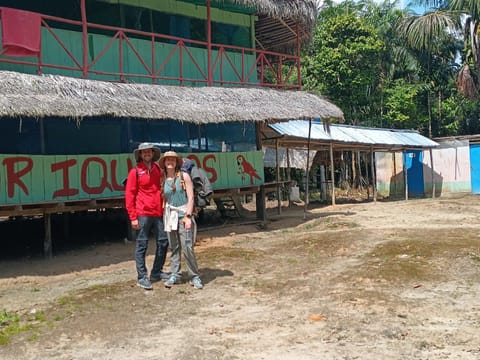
(196, 282)
(145, 283)
(158, 277)
(172, 280)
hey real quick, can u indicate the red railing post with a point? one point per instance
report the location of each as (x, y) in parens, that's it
(209, 44)
(120, 54)
(243, 67)
(221, 51)
(86, 64)
(83, 10)
(280, 71)
(299, 75)
(180, 58)
(153, 60)
(262, 68)
(39, 59)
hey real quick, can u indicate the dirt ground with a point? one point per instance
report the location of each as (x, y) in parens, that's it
(384, 280)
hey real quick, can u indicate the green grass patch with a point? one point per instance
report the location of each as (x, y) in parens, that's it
(11, 325)
(341, 225)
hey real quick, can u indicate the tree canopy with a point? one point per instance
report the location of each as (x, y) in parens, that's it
(385, 66)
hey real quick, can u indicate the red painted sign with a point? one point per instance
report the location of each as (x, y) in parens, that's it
(47, 178)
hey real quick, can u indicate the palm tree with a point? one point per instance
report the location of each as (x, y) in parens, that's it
(469, 12)
(432, 37)
(451, 16)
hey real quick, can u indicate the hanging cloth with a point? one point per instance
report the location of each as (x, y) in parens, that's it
(20, 32)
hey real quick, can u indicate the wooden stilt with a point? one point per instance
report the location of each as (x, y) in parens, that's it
(405, 173)
(47, 242)
(432, 172)
(277, 175)
(289, 176)
(374, 178)
(332, 173)
(394, 173)
(307, 171)
(260, 196)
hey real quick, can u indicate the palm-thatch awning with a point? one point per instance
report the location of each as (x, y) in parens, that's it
(275, 28)
(24, 95)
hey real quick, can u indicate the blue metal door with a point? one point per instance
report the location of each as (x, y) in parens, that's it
(475, 168)
(413, 163)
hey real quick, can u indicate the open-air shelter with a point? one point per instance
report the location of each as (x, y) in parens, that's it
(314, 135)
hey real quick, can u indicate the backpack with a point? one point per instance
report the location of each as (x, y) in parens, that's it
(202, 188)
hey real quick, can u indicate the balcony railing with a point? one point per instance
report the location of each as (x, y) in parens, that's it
(94, 51)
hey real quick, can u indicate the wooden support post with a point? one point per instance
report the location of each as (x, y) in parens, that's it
(405, 173)
(332, 173)
(260, 195)
(323, 182)
(289, 176)
(209, 44)
(260, 204)
(394, 173)
(365, 156)
(47, 242)
(277, 161)
(374, 178)
(66, 226)
(83, 12)
(307, 171)
(433, 173)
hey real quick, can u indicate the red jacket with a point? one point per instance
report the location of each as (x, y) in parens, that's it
(142, 192)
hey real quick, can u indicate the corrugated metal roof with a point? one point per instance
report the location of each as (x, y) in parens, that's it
(354, 135)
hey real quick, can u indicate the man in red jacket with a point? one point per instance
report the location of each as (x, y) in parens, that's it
(144, 203)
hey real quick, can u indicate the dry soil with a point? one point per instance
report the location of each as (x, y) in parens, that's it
(385, 280)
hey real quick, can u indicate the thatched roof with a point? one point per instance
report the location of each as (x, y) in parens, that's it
(51, 95)
(277, 20)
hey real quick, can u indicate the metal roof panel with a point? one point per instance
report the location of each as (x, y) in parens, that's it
(358, 135)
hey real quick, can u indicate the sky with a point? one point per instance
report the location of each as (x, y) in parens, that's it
(403, 3)
(417, 9)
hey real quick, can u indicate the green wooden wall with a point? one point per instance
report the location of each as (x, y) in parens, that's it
(220, 11)
(53, 53)
(31, 179)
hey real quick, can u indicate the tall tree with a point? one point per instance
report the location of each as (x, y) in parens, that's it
(462, 16)
(432, 37)
(343, 62)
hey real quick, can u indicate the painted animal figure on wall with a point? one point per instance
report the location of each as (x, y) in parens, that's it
(245, 168)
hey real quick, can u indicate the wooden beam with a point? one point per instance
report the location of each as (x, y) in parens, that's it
(279, 200)
(260, 196)
(432, 172)
(60, 207)
(307, 170)
(289, 175)
(47, 242)
(405, 173)
(332, 173)
(374, 178)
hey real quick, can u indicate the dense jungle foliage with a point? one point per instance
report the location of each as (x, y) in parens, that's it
(389, 67)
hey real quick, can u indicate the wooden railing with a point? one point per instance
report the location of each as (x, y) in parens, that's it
(165, 62)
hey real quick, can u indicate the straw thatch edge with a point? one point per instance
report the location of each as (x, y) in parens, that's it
(302, 11)
(25, 95)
